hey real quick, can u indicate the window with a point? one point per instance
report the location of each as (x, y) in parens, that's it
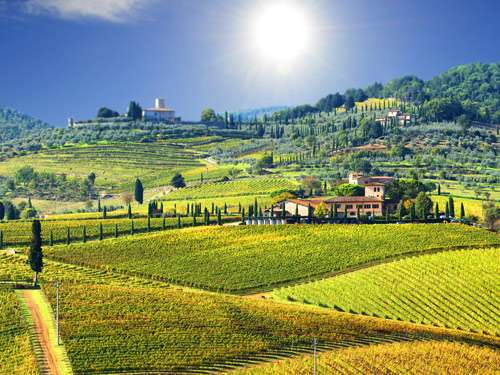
(368, 206)
(352, 213)
(375, 206)
(349, 206)
(359, 206)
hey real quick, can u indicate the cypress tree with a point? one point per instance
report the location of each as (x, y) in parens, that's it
(99, 209)
(413, 213)
(175, 209)
(51, 238)
(187, 209)
(116, 230)
(297, 212)
(194, 221)
(447, 210)
(1, 239)
(213, 208)
(68, 236)
(400, 211)
(436, 211)
(149, 223)
(179, 224)
(239, 207)
(225, 208)
(129, 213)
(2, 211)
(101, 234)
(84, 234)
(104, 212)
(139, 192)
(132, 227)
(29, 203)
(439, 189)
(164, 224)
(358, 213)
(35, 258)
(462, 210)
(243, 215)
(335, 213)
(452, 207)
(219, 218)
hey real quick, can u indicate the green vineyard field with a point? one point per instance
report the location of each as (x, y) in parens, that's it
(18, 233)
(457, 289)
(250, 258)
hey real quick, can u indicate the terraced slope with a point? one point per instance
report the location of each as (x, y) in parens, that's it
(457, 289)
(119, 329)
(433, 357)
(248, 186)
(114, 164)
(16, 355)
(250, 259)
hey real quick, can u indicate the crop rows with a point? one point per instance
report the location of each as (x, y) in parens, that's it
(18, 233)
(432, 357)
(126, 330)
(14, 269)
(456, 289)
(247, 259)
(250, 186)
(15, 348)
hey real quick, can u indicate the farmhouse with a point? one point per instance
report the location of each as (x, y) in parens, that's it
(160, 113)
(371, 204)
(394, 115)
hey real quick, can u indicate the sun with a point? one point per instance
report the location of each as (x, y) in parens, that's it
(281, 34)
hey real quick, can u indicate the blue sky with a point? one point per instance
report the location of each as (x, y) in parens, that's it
(61, 58)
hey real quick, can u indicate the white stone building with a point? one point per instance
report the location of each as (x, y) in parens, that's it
(160, 112)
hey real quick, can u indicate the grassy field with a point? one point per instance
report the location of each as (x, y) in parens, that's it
(432, 357)
(472, 207)
(116, 165)
(457, 289)
(245, 259)
(16, 355)
(123, 329)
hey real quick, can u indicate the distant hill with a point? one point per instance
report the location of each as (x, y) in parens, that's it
(250, 114)
(14, 124)
(471, 89)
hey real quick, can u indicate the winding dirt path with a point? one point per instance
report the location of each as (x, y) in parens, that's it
(42, 331)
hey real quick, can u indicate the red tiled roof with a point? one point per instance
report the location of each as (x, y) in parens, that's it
(353, 199)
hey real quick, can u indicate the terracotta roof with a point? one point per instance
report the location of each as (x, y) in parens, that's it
(353, 199)
(306, 202)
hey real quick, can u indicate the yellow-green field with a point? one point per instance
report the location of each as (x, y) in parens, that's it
(431, 357)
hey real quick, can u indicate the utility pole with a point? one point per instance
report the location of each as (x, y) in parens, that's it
(315, 342)
(57, 313)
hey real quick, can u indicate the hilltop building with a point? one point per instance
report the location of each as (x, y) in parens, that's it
(160, 112)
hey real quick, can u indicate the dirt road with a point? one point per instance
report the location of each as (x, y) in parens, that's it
(47, 342)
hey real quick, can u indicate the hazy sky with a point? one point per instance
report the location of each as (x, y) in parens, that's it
(61, 58)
